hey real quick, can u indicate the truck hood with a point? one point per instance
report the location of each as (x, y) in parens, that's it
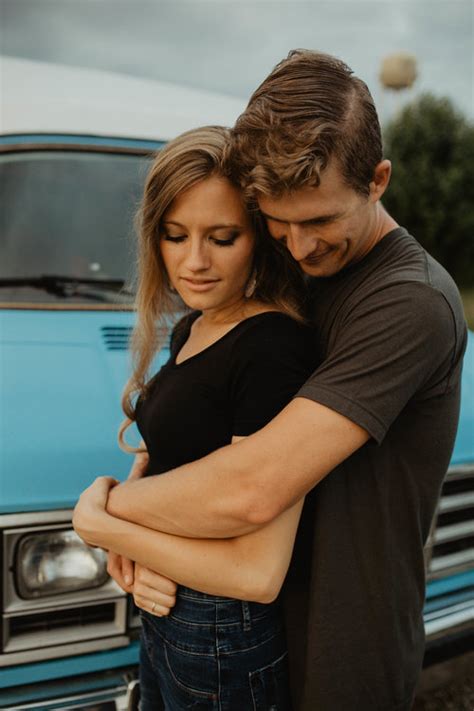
(61, 374)
(61, 378)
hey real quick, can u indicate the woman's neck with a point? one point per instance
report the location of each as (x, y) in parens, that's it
(233, 313)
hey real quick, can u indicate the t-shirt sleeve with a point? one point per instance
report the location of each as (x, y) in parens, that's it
(397, 343)
(269, 363)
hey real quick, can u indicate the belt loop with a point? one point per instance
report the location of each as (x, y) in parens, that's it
(246, 615)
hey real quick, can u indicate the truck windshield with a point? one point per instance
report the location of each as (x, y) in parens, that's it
(68, 213)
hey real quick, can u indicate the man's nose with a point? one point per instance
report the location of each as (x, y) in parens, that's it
(299, 243)
(197, 256)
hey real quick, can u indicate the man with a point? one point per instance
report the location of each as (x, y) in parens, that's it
(378, 416)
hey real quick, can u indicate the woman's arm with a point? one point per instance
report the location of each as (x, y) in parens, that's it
(120, 568)
(250, 567)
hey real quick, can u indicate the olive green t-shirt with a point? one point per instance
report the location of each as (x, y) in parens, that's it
(393, 336)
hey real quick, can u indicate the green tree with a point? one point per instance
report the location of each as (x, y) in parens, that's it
(431, 193)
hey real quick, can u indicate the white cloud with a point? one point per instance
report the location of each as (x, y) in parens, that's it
(230, 45)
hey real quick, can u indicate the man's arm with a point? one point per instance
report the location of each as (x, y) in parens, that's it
(386, 351)
(250, 567)
(243, 486)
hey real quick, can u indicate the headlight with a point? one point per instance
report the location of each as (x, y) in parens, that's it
(57, 562)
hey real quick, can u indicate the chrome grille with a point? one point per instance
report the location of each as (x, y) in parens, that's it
(451, 545)
(64, 626)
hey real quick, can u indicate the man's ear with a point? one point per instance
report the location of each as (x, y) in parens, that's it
(380, 180)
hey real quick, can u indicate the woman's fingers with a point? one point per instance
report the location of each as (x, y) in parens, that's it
(151, 606)
(153, 592)
(114, 569)
(127, 571)
(154, 595)
(140, 463)
(154, 580)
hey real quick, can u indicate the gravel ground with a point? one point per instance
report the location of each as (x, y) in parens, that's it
(458, 696)
(448, 687)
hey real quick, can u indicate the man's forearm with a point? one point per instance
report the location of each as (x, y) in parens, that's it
(243, 486)
(208, 498)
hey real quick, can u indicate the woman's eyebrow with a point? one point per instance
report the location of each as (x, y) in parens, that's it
(226, 225)
(222, 225)
(172, 222)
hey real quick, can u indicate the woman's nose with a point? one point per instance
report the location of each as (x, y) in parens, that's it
(197, 256)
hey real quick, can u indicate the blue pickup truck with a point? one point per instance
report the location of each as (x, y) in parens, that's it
(69, 189)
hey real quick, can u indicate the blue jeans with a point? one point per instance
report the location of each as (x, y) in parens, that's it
(214, 654)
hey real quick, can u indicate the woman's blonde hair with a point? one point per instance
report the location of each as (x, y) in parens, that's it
(194, 156)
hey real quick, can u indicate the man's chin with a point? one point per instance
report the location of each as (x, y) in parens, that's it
(319, 270)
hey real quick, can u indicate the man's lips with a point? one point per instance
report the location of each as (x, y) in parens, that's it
(316, 257)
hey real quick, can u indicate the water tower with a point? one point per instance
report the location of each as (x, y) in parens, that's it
(398, 73)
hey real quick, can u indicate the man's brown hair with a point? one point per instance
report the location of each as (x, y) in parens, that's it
(309, 110)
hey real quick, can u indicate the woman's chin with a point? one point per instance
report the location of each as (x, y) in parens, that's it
(199, 302)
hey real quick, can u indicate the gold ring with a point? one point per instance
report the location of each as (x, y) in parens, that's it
(153, 607)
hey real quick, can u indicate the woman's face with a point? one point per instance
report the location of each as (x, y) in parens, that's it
(207, 244)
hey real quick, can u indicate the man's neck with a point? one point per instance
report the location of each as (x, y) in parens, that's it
(384, 224)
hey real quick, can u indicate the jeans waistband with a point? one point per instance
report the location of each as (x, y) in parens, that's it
(183, 591)
(192, 604)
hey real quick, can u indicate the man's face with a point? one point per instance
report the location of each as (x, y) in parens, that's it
(325, 228)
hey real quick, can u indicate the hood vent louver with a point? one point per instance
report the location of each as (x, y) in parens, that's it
(117, 338)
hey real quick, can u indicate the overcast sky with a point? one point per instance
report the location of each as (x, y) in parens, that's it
(230, 45)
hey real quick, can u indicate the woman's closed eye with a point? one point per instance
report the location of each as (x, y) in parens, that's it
(174, 238)
(225, 240)
(219, 241)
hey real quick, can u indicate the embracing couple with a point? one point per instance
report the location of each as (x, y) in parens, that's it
(295, 443)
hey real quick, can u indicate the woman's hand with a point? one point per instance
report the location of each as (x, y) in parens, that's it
(139, 465)
(153, 592)
(90, 510)
(119, 568)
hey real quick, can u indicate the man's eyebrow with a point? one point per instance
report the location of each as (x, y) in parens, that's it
(310, 221)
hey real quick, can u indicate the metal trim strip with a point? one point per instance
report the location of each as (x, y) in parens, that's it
(31, 306)
(64, 650)
(32, 518)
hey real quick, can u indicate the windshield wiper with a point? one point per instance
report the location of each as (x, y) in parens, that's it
(67, 287)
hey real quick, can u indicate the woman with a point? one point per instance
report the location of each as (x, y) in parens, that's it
(236, 359)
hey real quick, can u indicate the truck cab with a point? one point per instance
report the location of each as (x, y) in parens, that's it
(75, 146)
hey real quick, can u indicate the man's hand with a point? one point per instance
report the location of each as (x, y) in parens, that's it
(153, 592)
(91, 509)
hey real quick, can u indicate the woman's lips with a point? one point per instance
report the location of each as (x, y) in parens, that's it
(200, 284)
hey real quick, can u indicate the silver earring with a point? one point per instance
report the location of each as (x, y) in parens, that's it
(251, 286)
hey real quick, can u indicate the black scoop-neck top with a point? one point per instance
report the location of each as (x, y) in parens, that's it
(235, 386)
